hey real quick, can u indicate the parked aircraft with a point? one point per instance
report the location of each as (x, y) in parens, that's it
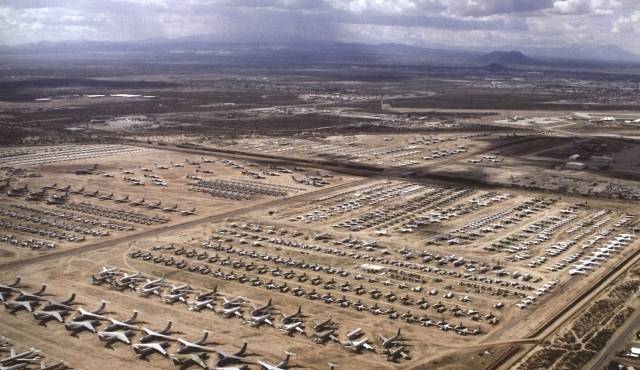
(143, 350)
(231, 358)
(282, 365)
(186, 360)
(391, 341)
(163, 334)
(111, 337)
(77, 326)
(95, 314)
(196, 346)
(126, 324)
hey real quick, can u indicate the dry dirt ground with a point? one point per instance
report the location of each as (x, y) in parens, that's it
(454, 258)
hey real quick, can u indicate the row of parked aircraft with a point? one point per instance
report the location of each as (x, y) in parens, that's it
(122, 331)
(255, 316)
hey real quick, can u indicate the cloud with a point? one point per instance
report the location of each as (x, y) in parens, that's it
(418, 22)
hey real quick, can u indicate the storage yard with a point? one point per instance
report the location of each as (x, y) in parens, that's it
(317, 217)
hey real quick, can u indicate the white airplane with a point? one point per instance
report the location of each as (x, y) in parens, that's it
(199, 305)
(256, 321)
(232, 311)
(126, 324)
(163, 334)
(356, 333)
(17, 357)
(44, 316)
(14, 306)
(64, 305)
(357, 346)
(282, 365)
(95, 314)
(37, 296)
(196, 346)
(233, 302)
(293, 327)
(11, 287)
(110, 337)
(293, 317)
(391, 341)
(145, 349)
(77, 326)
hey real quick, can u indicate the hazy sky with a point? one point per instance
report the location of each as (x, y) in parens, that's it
(417, 22)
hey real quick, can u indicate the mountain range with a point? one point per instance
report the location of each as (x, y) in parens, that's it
(311, 51)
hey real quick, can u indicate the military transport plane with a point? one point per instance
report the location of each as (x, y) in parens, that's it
(196, 346)
(282, 365)
(144, 350)
(163, 334)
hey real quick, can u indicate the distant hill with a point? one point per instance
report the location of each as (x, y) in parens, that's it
(606, 53)
(496, 67)
(508, 58)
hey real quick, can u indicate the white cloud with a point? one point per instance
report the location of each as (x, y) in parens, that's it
(419, 22)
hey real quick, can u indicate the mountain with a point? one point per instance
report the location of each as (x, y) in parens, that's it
(508, 58)
(607, 53)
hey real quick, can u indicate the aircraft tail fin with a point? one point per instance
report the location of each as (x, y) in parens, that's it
(167, 328)
(204, 337)
(133, 317)
(42, 289)
(16, 282)
(242, 350)
(70, 299)
(103, 305)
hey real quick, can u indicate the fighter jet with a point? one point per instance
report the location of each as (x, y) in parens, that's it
(232, 358)
(77, 326)
(391, 341)
(189, 359)
(282, 365)
(44, 316)
(151, 335)
(95, 314)
(110, 337)
(143, 350)
(126, 324)
(293, 317)
(196, 346)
